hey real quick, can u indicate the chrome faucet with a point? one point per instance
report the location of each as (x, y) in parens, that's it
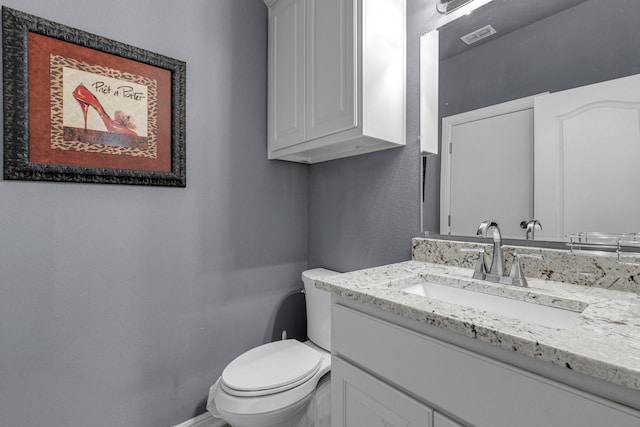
(531, 226)
(496, 272)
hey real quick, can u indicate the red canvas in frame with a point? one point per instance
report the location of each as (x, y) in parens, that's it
(58, 135)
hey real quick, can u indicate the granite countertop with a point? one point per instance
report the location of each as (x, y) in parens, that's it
(603, 343)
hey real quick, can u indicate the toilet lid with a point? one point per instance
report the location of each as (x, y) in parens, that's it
(271, 368)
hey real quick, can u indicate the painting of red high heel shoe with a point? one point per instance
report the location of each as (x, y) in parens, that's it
(117, 131)
(103, 113)
(122, 124)
(87, 109)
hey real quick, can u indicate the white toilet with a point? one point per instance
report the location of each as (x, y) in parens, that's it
(282, 383)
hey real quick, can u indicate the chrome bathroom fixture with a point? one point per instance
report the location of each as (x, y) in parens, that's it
(531, 226)
(495, 272)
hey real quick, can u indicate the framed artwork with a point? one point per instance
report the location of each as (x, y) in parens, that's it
(83, 108)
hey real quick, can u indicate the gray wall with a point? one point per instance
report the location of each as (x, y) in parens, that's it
(557, 53)
(120, 305)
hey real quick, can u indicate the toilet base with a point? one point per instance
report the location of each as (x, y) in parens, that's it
(312, 411)
(318, 412)
(293, 415)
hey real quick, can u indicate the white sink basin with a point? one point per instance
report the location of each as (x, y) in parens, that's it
(552, 317)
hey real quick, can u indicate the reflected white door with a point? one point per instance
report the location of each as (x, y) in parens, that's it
(587, 147)
(488, 169)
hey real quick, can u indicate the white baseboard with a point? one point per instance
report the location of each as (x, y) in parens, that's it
(203, 420)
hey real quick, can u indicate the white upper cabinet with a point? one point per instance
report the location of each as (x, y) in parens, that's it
(336, 78)
(286, 73)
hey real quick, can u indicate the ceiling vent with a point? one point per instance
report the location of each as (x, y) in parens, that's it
(478, 34)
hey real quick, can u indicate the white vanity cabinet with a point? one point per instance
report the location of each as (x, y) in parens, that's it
(440, 420)
(363, 400)
(336, 84)
(379, 365)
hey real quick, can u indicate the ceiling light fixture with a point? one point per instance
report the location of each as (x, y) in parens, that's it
(448, 6)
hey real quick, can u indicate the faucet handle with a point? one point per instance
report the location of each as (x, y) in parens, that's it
(525, 255)
(515, 275)
(480, 271)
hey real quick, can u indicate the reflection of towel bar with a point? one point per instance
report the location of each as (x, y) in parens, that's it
(624, 246)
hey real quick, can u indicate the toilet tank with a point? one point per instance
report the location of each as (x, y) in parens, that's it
(318, 307)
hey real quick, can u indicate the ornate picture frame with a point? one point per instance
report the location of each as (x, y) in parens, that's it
(82, 108)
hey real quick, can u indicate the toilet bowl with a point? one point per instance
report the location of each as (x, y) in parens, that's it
(274, 384)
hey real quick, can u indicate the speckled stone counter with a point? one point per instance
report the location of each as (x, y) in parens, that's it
(604, 342)
(557, 265)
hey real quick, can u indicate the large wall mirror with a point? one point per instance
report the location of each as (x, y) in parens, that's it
(536, 49)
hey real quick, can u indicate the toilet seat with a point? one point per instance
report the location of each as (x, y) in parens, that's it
(228, 404)
(271, 368)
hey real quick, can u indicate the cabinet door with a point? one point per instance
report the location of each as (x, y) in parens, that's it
(331, 60)
(358, 400)
(286, 73)
(442, 421)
